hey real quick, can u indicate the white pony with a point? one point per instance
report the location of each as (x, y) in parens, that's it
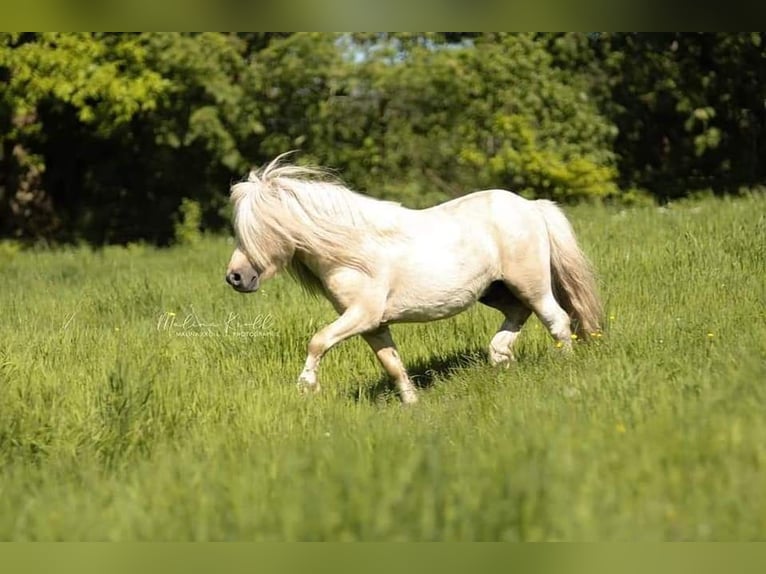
(380, 263)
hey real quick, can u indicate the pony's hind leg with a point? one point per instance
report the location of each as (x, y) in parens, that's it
(384, 348)
(501, 345)
(555, 319)
(499, 297)
(530, 283)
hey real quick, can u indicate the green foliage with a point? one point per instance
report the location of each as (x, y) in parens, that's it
(446, 119)
(102, 135)
(298, 74)
(689, 108)
(121, 421)
(58, 86)
(103, 77)
(546, 137)
(187, 226)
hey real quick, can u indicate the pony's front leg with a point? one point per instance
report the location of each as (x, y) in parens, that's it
(353, 321)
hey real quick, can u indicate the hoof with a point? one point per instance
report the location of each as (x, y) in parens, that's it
(499, 360)
(307, 383)
(307, 388)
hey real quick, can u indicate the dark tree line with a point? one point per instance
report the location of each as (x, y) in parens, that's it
(125, 137)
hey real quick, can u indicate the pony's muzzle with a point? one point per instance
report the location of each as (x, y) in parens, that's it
(242, 283)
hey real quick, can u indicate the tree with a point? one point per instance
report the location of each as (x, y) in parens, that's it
(122, 137)
(434, 119)
(103, 135)
(689, 109)
(72, 81)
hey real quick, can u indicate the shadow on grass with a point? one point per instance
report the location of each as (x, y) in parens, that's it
(424, 373)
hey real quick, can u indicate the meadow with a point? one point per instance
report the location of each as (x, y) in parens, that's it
(143, 399)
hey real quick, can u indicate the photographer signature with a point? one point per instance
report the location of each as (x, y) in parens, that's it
(233, 324)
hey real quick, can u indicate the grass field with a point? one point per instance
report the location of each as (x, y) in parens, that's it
(142, 399)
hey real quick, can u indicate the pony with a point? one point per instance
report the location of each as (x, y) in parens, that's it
(380, 263)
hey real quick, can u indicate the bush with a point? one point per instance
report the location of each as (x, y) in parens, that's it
(188, 220)
(103, 136)
(445, 119)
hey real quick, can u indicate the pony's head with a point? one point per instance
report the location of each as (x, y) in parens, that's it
(284, 212)
(262, 248)
(257, 257)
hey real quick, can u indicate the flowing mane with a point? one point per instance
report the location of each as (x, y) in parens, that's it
(282, 208)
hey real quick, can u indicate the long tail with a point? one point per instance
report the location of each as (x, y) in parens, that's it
(574, 282)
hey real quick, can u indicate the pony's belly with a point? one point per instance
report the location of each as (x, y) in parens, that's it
(438, 286)
(403, 311)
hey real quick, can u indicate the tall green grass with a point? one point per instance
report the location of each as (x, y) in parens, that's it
(119, 422)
